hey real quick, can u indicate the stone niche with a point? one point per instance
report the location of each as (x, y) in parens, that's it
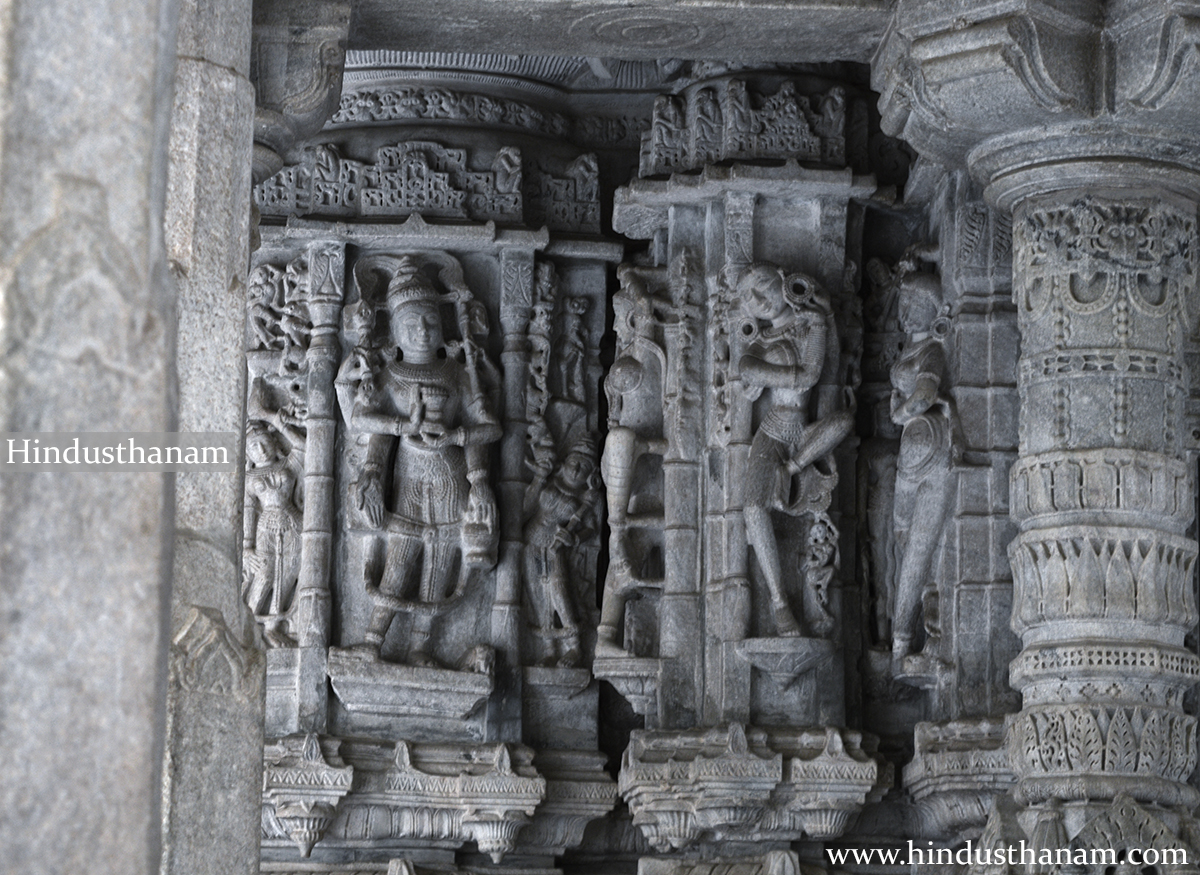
(592, 513)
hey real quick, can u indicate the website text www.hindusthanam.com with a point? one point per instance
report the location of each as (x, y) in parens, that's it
(925, 854)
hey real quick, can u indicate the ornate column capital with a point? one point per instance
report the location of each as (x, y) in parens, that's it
(1042, 95)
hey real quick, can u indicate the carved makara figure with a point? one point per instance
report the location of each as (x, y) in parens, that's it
(425, 480)
(557, 518)
(788, 322)
(271, 535)
(930, 447)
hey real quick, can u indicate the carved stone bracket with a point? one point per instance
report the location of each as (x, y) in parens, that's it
(755, 784)
(635, 678)
(297, 61)
(451, 794)
(957, 769)
(304, 787)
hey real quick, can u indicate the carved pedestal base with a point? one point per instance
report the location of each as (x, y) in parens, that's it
(388, 691)
(785, 659)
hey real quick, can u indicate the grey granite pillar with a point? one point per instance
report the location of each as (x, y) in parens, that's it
(1096, 164)
(214, 741)
(87, 337)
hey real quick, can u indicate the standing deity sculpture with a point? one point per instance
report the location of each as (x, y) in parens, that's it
(425, 479)
(787, 321)
(272, 523)
(930, 448)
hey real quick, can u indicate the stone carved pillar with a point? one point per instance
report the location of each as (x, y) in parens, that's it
(1096, 169)
(89, 345)
(208, 209)
(1103, 496)
(326, 275)
(516, 296)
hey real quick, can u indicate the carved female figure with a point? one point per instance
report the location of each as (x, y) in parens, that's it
(272, 527)
(790, 320)
(556, 521)
(930, 446)
(431, 497)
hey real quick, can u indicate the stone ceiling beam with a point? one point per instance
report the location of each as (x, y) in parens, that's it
(825, 30)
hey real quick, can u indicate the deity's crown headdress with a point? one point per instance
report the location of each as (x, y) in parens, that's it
(409, 286)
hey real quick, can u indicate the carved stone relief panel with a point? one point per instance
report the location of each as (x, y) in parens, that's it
(436, 591)
(723, 619)
(435, 181)
(467, 480)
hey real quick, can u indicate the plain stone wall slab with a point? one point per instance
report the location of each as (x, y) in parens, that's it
(87, 334)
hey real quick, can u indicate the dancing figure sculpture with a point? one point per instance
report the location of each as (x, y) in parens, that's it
(788, 323)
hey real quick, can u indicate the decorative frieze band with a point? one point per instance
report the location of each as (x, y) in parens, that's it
(1097, 656)
(434, 181)
(721, 121)
(1082, 573)
(1059, 488)
(1085, 740)
(1106, 363)
(373, 106)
